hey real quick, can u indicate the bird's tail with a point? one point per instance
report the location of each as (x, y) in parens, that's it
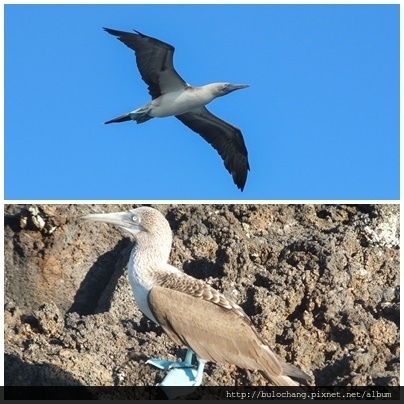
(122, 118)
(282, 381)
(139, 115)
(289, 372)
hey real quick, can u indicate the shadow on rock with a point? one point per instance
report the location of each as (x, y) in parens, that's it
(43, 375)
(101, 280)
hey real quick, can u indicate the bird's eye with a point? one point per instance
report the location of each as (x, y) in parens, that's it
(135, 219)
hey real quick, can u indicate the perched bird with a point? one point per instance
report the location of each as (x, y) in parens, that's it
(172, 96)
(190, 311)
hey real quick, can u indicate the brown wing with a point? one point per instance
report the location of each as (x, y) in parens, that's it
(212, 331)
(194, 314)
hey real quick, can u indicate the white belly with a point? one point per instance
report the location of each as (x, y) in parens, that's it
(179, 102)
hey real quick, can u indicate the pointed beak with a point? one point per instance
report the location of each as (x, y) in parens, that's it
(123, 220)
(232, 87)
(228, 88)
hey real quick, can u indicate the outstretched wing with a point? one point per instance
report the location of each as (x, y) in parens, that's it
(154, 59)
(225, 138)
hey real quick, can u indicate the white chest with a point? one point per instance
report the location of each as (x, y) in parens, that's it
(141, 285)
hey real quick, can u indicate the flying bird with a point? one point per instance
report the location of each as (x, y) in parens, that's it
(172, 96)
(190, 311)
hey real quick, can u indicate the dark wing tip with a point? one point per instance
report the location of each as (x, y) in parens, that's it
(138, 32)
(237, 162)
(240, 176)
(120, 33)
(115, 32)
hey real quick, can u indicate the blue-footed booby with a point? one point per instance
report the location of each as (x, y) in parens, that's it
(172, 96)
(189, 310)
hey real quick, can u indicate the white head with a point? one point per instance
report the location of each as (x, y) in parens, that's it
(148, 225)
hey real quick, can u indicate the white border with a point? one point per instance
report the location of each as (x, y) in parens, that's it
(3, 202)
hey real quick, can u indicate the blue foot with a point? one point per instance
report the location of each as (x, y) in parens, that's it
(180, 377)
(181, 373)
(178, 383)
(165, 364)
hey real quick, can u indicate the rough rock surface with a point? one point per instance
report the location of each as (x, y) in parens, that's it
(320, 282)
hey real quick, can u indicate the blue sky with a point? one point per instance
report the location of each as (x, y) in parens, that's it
(320, 118)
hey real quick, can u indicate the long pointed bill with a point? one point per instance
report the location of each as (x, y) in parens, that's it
(232, 87)
(238, 86)
(120, 219)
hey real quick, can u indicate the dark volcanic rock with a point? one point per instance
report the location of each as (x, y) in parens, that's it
(320, 282)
